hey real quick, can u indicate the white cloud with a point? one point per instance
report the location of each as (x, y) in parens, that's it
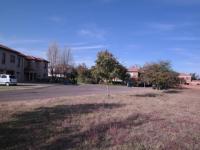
(37, 52)
(92, 32)
(15, 40)
(88, 47)
(76, 44)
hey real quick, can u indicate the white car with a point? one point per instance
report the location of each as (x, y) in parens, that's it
(6, 79)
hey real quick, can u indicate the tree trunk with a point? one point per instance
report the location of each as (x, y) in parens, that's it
(108, 90)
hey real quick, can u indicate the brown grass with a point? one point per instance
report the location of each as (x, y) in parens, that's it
(141, 119)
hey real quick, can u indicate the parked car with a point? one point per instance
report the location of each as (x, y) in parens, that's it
(6, 79)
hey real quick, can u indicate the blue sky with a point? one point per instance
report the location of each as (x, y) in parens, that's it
(135, 31)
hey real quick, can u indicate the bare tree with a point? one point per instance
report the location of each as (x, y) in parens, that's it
(66, 56)
(65, 62)
(53, 57)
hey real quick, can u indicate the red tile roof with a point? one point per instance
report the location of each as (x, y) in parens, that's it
(184, 74)
(35, 58)
(133, 69)
(19, 53)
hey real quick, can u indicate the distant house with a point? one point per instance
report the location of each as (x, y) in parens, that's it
(61, 70)
(25, 68)
(185, 78)
(134, 72)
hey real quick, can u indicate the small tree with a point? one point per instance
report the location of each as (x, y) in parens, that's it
(107, 67)
(194, 76)
(84, 74)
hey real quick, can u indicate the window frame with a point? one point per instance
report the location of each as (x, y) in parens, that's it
(3, 58)
(12, 59)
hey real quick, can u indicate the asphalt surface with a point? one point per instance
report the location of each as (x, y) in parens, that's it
(58, 91)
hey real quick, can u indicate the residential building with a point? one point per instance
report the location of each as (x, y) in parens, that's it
(134, 72)
(25, 68)
(35, 68)
(185, 78)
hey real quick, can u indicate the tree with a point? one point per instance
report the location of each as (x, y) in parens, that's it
(159, 74)
(53, 57)
(194, 76)
(94, 73)
(84, 74)
(65, 61)
(120, 72)
(61, 61)
(107, 67)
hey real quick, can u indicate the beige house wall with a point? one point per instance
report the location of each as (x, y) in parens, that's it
(16, 68)
(134, 75)
(42, 69)
(37, 69)
(187, 78)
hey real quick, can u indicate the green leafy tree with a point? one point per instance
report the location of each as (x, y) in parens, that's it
(120, 72)
(194, 76)
(84, 74)
(159, 74)
(94, 72)
(107, 67)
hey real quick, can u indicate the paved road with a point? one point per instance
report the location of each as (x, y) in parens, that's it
(58, 91)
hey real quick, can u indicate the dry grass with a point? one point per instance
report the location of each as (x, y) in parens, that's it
(142, 119)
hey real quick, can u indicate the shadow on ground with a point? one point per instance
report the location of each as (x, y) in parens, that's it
(157, 95)
(147, 95)
(173, 91)
(101, 136)
(31, 130)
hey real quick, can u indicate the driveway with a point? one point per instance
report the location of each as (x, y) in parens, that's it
(56, 91)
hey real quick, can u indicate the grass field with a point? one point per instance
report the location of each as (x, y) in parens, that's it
(142, 119)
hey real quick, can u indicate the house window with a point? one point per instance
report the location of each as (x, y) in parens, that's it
(37, 64)
(12, 59)
(3, 58)
(19, 62)
(29, 64)
(45, 65)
